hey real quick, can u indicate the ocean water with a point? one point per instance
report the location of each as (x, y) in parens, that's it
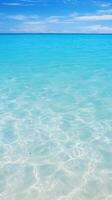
(56, 117)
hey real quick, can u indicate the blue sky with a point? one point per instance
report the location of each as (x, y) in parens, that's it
(62, 16)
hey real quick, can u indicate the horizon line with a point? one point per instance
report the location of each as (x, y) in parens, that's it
(46, 33)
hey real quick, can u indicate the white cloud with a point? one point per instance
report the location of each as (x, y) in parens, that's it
(63, 19)
(17, 17)
(105, 5)
(105, 11)
(53, 19)
(21, 3)
(11, 4)
(75, 17)
(22, 17)
(95, 17)
(71, 23)
(54, 25)
(97, 29)
(30, 26)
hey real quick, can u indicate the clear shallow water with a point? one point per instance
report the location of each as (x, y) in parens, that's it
(55, 117)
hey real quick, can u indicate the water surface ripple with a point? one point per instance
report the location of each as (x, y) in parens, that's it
(56, 117)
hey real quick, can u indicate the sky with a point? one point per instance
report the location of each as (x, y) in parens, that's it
(55, 16)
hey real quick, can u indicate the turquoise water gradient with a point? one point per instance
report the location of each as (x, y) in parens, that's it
(55, 117)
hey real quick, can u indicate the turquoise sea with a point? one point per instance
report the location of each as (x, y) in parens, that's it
(55, 117)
